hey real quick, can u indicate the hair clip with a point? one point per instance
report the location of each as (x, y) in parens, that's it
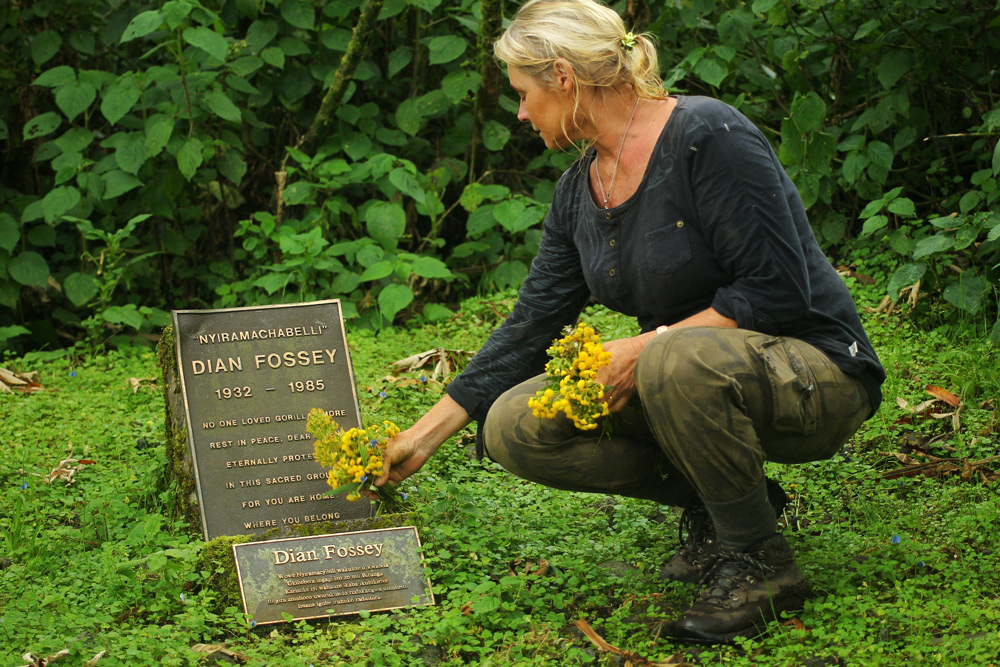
(628, 41)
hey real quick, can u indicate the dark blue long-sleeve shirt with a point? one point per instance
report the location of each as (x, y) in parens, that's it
(716, 222)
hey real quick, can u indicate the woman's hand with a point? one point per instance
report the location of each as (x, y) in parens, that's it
(617, 375)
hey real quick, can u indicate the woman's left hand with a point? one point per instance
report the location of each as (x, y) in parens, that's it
(617, 375)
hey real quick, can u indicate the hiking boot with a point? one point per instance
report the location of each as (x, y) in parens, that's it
(696, 534)
(743, 591)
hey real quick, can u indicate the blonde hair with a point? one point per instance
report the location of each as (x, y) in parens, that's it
(591, 37)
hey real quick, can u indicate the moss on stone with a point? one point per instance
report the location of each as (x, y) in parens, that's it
(180, 468)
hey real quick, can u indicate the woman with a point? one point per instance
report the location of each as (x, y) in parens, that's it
(678, 213)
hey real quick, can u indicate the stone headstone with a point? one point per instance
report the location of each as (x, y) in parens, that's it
(248, 379)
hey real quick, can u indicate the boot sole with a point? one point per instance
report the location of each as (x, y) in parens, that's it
(794, 601)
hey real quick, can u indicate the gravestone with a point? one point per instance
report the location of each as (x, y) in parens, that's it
(247, 379)
(331, 575)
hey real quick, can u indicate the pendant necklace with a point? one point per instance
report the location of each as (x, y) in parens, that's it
(614, 172)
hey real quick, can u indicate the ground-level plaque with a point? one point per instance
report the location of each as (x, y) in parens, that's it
(249, 377)
(332, 575)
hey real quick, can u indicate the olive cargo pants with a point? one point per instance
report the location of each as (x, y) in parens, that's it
(712, 404)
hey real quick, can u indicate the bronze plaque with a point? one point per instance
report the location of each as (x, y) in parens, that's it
(249, 377)
(332, 575)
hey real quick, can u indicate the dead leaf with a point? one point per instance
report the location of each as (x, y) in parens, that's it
(24, 382)
(42, 662)
(520, 566)
(140, 383)
(443, 360)
(944, 395)
(93, 661)
(210, 649)
(676, 660)
(796, 623)
(67, 468)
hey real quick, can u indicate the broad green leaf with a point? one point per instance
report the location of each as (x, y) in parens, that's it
(336, 39)
(711, 71)
(357, 146)
(392, 299)
(874, 224)
(59, 201)
(377, 271)
(509, 274)
(119, 98)
(174, 13)
(297, 193)
(970, 200)
(892, 67)
(190, 157)
(274, 57)
(118, 182)
(246, 65)
(261, 33)
(427, 5)
(222, 106)
(792, 148)
(903, 206)
(399, 59)
(80, 288)
(272, 282)
(435, 312)
(880, 154)
(495, 135)
(131, 152)
(967, 292)
(57, 76)
(480, 221)
(507, 212)
(44, 46)
(871, 208)
(933, 244)
(42, 236)
(208, 41)
(995, 334)
(901, 243)
(430, 267)
(996, 159)
(292, 47)
(407, 184)
(128, 315)
(386, 223)
(299, 13)
(866, 28)
(74, 98)
(142, 25)
(763, 6)
(158, 131)
(446, 48)
(345, 283)
(232, 166)
(459, 84)
(29, 268)
(408, 117)
(9, 292)
(905, 276)
(854, 166)
(808, 112)
(10, 232)
(13, 331)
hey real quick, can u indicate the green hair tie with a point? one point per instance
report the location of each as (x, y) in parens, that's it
(628, 41)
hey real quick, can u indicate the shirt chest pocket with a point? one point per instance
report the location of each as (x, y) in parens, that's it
(667, 249)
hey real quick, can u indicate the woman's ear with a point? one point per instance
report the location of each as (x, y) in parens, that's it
(562, 75)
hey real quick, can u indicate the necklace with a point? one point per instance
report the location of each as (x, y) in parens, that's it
(614, 172)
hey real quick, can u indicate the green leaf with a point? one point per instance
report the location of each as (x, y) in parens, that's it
(392, 299)
(966, 293)
(142, 25)
(892, 67)
(933, 244)
(232, 166)
(29, 268)
(903, 206)
(190, 157)
(970, 200)
(495, 135)
(792, 148)
(430, 267)
(119, 98)
(59, 201)
(874, 224)
(407, 184)
(880, 154)
(261, 33)
(996, 159)
(357, 146)
(386, 223)
(272, 282)
(808, 112)
(445, 48)
(222, 106)
(711, 72)
(246, 65)
(128, 315)
(399, 59)
(118, 182)
(80, 288)
(509, 274)
(480, 221)
(131, 152)
(13, 331)
(74, 98)
(274, 57)
(905, 276)
(57, 76)
(435, 312)
(377, 271)
(208, 41)
(158, 131)
(995, 334)
(44, 46)
(299, 13)
(854, 166)
(345, 283)
(10, 233)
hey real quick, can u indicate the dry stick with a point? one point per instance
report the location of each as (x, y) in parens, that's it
(343, 76)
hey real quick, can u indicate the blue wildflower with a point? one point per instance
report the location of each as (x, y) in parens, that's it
(24, 486)
(381, 394)
(72, 374)
(364, 478)
(404, 494)
(183, 598)
(253, 624)
(920, 563)
(896, 539)
(372, 442)
(423, 378)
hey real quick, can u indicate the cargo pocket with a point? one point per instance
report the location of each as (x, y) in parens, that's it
(794, 398)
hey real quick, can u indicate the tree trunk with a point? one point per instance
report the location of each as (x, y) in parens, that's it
(489, 78)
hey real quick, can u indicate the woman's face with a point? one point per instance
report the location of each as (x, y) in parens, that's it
(549, 108)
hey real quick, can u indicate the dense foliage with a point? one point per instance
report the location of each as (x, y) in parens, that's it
(190, 154)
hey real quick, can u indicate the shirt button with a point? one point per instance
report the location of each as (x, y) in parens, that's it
(611, 272)
(611, 242)
(680, 223)
(607, 215)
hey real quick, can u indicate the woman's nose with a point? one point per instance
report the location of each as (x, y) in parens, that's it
(522, 113)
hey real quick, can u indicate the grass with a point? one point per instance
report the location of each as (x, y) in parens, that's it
(905, 569)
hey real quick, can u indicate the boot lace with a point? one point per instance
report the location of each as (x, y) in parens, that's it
(694, 531)
(728, 572)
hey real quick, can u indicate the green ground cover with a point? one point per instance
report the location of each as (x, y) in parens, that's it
(906, 569)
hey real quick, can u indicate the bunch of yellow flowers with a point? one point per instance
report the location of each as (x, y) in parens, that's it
(573, 388)
(353, 457)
